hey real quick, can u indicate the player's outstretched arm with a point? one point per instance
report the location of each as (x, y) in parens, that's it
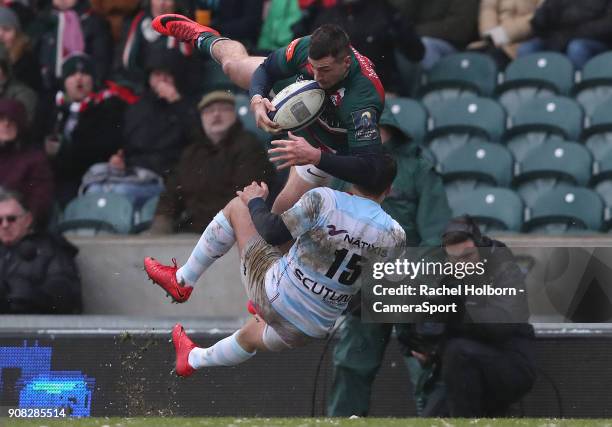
(269, 226)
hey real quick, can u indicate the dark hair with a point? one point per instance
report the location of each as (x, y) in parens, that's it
(386, 175)
(6, 194)
(461, 229)
(329, 40)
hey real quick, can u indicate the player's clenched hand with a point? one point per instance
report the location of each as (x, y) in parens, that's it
(253, 191)
(294, 151)
(260, 107)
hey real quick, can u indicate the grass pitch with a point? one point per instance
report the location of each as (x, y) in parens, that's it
(301, 422)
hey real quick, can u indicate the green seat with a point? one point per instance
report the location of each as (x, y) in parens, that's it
(557, 115)
(92, 213)
(565, 209)
(538, 75)
(458, 75)
(595, 86)
(459, 121)
(550, 166)
(483, 162)
(521, 145)
(410, 115)
(493, 209)
(243, 110)
(145, 215)
(597, 135)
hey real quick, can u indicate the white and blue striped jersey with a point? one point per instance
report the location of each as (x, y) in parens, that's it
(335, 234)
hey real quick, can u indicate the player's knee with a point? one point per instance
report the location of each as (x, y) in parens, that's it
(273, 341)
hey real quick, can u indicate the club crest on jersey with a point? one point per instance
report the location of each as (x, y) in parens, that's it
(336, 98)
(366, 124)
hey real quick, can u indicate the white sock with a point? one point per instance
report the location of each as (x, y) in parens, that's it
(226, 352)
(217, 239)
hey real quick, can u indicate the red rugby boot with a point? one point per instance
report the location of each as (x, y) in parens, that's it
(182, 346)
(165, 277)
(180, 27)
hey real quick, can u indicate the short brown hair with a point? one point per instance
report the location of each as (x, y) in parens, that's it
(329, 40)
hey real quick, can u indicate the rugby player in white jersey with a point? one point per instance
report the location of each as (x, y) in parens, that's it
(298, 296)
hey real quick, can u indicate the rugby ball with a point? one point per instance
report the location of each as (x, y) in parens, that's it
(298, 105)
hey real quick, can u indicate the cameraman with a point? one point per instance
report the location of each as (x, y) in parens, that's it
(38, 274)
(484, 355)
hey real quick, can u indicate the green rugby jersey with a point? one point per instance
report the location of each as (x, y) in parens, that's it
(352, 108)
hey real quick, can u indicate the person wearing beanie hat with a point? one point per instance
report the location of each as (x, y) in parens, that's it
(78, 62)
(23, 167)
(418, 202)
(68, 27)
(20, 54)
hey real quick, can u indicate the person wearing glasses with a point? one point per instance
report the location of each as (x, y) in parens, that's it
(38, 274)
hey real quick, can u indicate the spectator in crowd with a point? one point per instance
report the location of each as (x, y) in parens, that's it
(222, 159)
(418, 202)
(67, 28)
(374, 33)
(445, 26)
(502, 25)
(157, 127)
(11, 88)
(276, 31)
(236, 19)
(86, 126)
(24, 168)
(581, 29)
(22, 58)
(139, 41)
(38, 274)
(485, 356)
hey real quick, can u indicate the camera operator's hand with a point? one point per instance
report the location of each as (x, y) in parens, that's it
(423, 358)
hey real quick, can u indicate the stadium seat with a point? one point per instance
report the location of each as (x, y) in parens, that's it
(410, 115)
(595, 86)
(92, 213)
(539, 75)
(551, 165)
(521, 145)
(598, 136)
(144, 217)
(248, 119)
(479, 162)
(459, 121)
(459, 75)
(556, 115)
(494, 209)
(565, 209)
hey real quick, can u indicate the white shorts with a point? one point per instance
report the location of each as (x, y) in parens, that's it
(314, 175)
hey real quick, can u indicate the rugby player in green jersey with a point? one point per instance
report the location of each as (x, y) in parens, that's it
(344, 142)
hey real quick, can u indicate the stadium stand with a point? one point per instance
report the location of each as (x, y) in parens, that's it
(494, 209)
(562, 210)
(550, 165)
(554, 115)
(459, 75)
(93, 213)
(595, 85)
(410, 115)
(539, 75)
(458, 121)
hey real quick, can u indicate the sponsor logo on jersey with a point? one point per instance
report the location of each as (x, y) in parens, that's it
(327, 295)
(336, 97)
(366, 124)
(362, 244)
(333, 232)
